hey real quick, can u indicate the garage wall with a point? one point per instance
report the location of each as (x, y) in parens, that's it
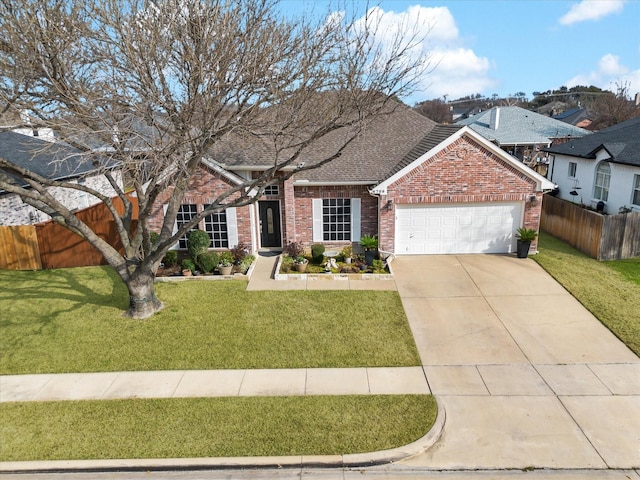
(463, 173)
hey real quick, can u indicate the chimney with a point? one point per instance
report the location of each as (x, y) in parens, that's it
(494, 120)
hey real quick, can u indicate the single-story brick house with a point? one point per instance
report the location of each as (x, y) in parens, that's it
(421, 187)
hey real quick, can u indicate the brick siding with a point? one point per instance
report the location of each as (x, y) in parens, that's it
(464, 172)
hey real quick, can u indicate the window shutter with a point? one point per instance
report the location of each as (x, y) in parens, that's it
(355, 219)
(232, 226)
(175, 226)
(317, 219)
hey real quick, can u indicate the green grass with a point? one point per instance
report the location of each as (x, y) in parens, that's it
(610, 290)
(70, 320)
(206, 427)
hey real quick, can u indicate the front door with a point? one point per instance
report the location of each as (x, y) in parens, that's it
(270, 235)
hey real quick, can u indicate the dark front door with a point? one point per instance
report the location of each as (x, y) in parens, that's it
(270, 235)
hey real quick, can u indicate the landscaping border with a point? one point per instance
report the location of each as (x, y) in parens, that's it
(333, 276)
(235, 276)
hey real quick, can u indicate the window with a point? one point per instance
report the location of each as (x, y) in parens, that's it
(336, 219)
(216, 226)
(272, 190)
(572, 169)
(185, 213)
(635, 199)
(601, 185)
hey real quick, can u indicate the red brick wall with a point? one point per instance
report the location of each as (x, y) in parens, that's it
(465, 172)
(303, 210)
(203, 190)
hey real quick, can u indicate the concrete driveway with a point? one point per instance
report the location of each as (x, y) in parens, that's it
(528, 377)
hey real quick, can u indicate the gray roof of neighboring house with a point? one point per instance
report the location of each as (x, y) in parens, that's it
(383, 144)
(50, 160)
(517, 126)
(622, 141)
(574, 115)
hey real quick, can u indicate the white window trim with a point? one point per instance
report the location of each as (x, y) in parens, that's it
(575, 169)
(635, 187)
(595, 180)
(232, 226)
(316, 211)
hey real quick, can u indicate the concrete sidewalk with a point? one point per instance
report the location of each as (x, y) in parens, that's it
(213, 383)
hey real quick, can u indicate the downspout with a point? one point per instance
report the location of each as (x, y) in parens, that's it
(387, 256)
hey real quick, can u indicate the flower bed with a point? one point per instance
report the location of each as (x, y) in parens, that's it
(322, 275)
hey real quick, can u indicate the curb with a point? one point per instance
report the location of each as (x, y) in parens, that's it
(220, 463)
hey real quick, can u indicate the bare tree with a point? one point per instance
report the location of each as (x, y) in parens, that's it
(437, 110)
(611, 109)
(154, 86)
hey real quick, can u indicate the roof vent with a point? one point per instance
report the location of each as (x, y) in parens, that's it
(494, 119)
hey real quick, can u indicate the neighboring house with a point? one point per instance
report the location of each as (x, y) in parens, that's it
(422, 188)
(602, 167)
(52, 161)
(522, 133)
(580, 117)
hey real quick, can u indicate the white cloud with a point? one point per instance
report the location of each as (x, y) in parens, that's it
(609, 73)
(457, 71)
(591, 10)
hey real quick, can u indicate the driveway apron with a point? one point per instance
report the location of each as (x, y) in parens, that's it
(527, 376)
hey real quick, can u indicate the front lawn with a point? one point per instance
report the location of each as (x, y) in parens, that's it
(70, 320)
(211, 427)
(610, 290)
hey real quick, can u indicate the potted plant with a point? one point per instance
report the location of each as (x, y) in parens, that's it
(525, 236)
(346, 253)
(370, 245)
(300, 263)
(188, 267)
(226, 263)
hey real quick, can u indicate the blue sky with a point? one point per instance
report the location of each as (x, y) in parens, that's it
(509, 46)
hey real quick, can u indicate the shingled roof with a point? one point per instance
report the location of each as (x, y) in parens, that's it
(50, 160)
(621, 141)
(435, 137)
(517, 126)
(383, 143)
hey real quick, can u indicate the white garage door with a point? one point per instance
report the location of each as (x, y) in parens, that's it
(469, 228)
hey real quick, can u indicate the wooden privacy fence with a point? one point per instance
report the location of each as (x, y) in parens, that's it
(19, 248)
(49, 245)
(603, 237)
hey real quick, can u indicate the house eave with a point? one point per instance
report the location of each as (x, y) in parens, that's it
(542, 184)
(310, 183)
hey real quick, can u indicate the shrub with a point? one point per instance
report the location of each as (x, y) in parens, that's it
(171, 258)
(317, 253)
(226, 259)
(378, 266)
(346, 251)
(287, 264)
(207, 261)
(294, 249)
(198, 242)
(239, 252)
(187, 264)
(246, 263)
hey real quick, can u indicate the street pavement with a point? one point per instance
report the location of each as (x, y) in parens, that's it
(529, 383)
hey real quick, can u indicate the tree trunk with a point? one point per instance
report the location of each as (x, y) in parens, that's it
(142, 296)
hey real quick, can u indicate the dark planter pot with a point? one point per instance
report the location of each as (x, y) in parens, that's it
(370, 256)
(523, 249)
